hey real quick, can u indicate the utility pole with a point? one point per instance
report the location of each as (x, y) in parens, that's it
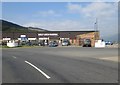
(96, 28)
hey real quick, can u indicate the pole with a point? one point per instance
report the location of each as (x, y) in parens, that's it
(96, 28)
(96, 25)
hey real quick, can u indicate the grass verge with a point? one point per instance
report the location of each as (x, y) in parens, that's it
(24, 46)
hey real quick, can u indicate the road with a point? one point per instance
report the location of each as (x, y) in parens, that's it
(59, 65)
(0, 65)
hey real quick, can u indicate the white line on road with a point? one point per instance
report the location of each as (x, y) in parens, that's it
(13, 56)
(38, 69)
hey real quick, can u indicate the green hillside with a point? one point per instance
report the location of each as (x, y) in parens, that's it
(11, 27)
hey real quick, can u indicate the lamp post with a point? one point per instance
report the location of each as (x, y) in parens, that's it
(96, 28)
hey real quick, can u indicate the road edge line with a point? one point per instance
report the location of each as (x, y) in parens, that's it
(48, 77)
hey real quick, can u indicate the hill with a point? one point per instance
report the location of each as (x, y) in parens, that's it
(36, 29)
(11, 27)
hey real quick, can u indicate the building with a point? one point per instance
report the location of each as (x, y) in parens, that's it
(74, 37)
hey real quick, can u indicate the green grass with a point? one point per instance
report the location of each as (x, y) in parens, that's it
(4, 47)
(24, 46)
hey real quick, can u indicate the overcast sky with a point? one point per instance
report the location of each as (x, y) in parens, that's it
(64, 15)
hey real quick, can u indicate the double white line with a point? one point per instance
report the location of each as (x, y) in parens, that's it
(38, 69)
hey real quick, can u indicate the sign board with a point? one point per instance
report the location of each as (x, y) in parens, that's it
(31, 38)
(48, 34)
(22, 35)
(19, 38)
(99, 43)
(6, 38)
(64, 38)
(12, 44)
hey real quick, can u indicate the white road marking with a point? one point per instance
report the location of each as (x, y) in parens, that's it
(13, 56)
(38, 69)
(110, 58)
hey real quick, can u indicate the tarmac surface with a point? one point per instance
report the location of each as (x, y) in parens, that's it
(60, 65)
(0, 66)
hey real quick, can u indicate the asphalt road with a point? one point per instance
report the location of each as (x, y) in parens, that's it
(59, 65)
(0, 65)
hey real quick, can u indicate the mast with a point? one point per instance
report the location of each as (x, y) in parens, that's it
(96, 28)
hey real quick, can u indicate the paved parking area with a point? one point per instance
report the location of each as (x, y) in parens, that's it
(59, 65)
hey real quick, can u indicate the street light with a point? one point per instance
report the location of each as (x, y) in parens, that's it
(96, 28)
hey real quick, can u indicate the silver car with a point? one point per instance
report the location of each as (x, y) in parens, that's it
(65, 43)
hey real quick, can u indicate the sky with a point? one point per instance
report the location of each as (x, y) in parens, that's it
(65, 16)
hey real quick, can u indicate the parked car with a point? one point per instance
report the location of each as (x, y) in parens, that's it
(86, 43)
(53, 44)
(108, 43)
(42, 43)
(65, 43)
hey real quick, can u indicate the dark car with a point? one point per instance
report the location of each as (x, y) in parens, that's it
(53, 44)
(108, 43)
(86, 43)
(42, 43)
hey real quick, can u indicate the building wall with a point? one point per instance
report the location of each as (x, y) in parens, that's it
(92, 36)
(73, 36)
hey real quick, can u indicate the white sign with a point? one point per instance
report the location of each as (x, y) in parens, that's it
(99, 43)
(19, 38)
(12, 44)
(6, 38)
(31, 38)
(48, 34)
(22, 35)
(64, 38)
